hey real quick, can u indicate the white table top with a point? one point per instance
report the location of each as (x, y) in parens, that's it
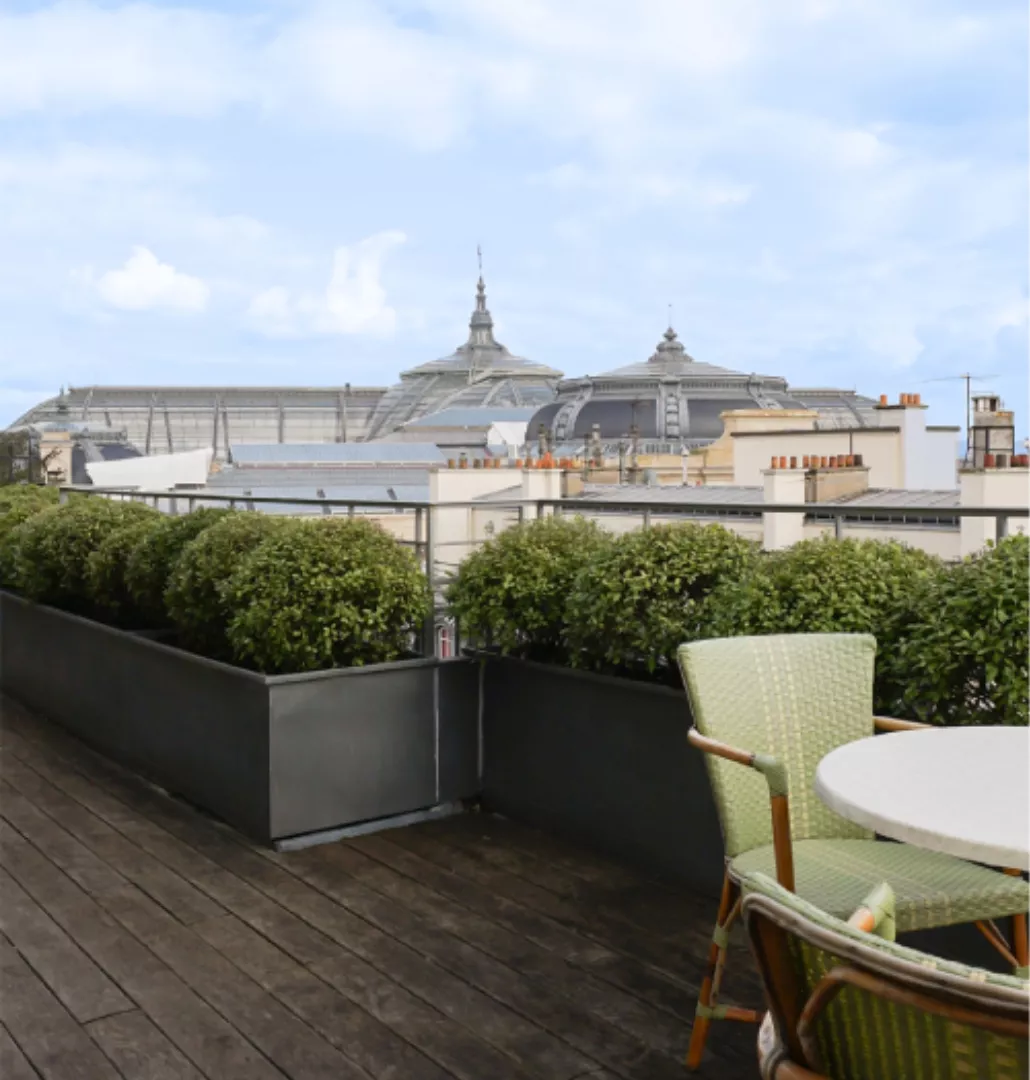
(961, 791)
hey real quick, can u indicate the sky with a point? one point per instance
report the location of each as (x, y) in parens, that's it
(281, 192)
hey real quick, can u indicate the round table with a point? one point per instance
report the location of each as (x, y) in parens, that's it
(960, 791)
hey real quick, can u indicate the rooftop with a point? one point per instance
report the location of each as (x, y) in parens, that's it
(337, 453)
(137, 930)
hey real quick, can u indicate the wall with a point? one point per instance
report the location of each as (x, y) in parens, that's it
(158, 473)
(991, 487)
(458, 530)
(880, 450)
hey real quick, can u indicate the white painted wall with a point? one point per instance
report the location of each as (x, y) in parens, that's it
(991, 487)
(783, 486)
(880, 450)
(910, 458)
(160, 472)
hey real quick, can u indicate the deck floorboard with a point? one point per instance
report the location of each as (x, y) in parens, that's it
(142, 939)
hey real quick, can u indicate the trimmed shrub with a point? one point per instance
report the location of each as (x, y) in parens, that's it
(18, 503)
(153, 560)
(194, 597)
(13, 494)
(105, 573)
(325, 594)
(958, 649)
(511, 594)
(825, 586)
(54, 545)
(640, 598)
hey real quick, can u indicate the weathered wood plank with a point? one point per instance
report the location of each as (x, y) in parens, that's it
(653, 1027)
(536, 1001)
(205, 1037)
(526, 1043)
(47, 1033)
(84, 990)
(14, 1065)
(167, 888)
(139, 1050)
(422, 1024)
(466, 948)
(649, 984)
(670, 957)
(283, 1038)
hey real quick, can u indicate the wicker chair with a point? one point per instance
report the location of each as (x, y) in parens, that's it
(848, 1005)
(778, 705)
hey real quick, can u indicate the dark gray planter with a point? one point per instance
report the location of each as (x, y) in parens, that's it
(276, 756)
(603, 761)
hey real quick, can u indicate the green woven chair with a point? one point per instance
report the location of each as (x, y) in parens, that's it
(778, 705)
(848, 1005)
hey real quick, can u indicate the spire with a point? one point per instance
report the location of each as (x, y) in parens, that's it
(670, 348)
(481, 325)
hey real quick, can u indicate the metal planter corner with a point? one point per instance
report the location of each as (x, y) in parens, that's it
(603, 761)
(275, 756)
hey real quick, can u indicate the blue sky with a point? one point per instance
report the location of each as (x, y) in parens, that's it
(285, 192)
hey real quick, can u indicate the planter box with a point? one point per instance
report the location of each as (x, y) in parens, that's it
(276, 756)
(603, 761)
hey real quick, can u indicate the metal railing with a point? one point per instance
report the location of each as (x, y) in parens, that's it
(428, 549)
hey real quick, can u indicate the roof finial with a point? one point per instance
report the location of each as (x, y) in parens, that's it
(479, 256)
(670, 316)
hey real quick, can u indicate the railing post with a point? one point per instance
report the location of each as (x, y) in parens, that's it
(429, 648)
(838, 526)
(1001, 527)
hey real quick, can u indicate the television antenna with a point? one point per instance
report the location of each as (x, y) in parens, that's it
(969, 379)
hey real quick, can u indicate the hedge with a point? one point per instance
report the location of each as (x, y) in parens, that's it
(18, 502)
(326, 594)
(824, 586)
(511, 594)
(195, 595)
(52, 549)
(152, 561)
(105, 574)
(959, 647)
(641, 597)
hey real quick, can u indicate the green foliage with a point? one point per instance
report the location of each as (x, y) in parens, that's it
(105, 573)
(54, 545)
(325, 594)
(18, 503)
(194, 597)
(825, 586)
(959, 648)
(640, 598)
(819, 586)
(153, 560)
(512, 592)
(17, 494)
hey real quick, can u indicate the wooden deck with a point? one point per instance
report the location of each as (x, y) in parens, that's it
(141, 939)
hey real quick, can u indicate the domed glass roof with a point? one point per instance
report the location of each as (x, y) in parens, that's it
(480, 372)
(670, 397)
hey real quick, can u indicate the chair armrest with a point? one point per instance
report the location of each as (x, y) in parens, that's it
(888, 723)
(875, 915)
(775, 774)
(771, 768)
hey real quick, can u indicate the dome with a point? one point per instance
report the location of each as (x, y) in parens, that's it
(670, 399)
(478, 373)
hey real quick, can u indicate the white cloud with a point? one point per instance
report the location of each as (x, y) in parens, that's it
(354, 301)
(145, 283)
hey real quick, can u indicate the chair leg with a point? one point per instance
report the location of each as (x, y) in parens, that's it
(708, 1008)
(1019, 933)
(1019, 940)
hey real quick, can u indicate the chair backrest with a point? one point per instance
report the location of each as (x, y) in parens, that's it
(875, 1008)
(795, 696)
